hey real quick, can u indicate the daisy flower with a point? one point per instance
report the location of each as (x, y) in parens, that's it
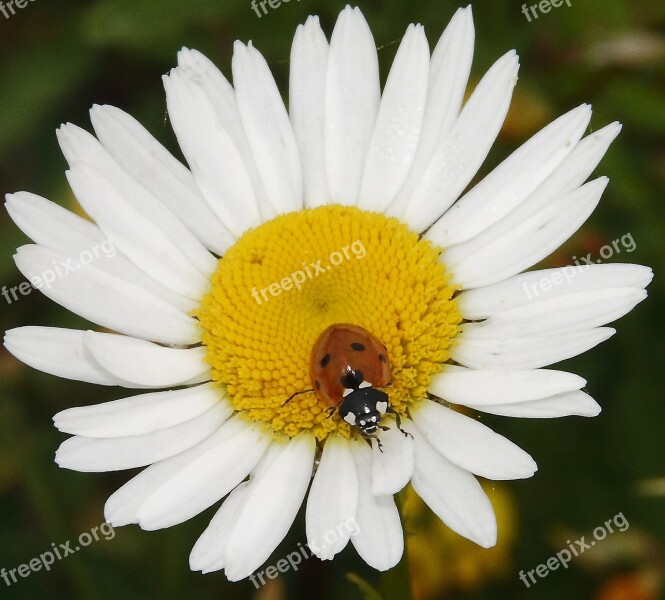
(269, 194)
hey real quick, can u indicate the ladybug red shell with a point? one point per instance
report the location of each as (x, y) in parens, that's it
(341, 351)
(347, 365)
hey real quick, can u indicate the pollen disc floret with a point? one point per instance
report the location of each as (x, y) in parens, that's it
(284, 282)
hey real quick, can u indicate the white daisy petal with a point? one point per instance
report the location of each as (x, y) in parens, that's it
(577, 167)
(141, 414)
(202, 73)
(211, 471)
(398, 123)
(123, 506)
(50, 224)
(79, 146)
(393, 466)
(151, 249)
(561, 183)
(53, 226)
(512, 181)
(559, 405)
(270, 506)
(563, 314)
(212, 155)
(525, 353)
(107, 300)
(351, 104)
(59, 352)
(453, 494)
(377, 530)
(268, 129)
(471, 445)
(128, 452)
(307, 83)
(486, 387)
(521, 290)
(145, 363)
(209, 551)
(520, 240)
(448, 77)
(332, 500)
(460, 153)
(155, 168)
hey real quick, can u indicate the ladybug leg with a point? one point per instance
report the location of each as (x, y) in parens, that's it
(398, 422)
(331, 411)
(292, 396)
(369, 437)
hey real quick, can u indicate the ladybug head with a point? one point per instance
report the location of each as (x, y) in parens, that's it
(363, 408)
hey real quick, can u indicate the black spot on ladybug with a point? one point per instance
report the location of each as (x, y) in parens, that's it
(382, 357)
(325, 360)
(357, 346)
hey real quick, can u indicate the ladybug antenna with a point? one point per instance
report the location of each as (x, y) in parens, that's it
(292, 396)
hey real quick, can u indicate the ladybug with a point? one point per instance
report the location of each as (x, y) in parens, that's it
(348, 365)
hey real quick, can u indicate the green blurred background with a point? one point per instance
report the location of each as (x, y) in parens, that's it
(59, 58)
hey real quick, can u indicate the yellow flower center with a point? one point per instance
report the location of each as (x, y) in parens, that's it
(287, 280)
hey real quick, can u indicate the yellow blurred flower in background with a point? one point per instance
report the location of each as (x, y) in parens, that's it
(441, 561)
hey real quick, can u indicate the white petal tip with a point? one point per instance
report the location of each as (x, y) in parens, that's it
(60, 460)
(648, 274)
(527, 470)
(196, 563)
(231, 576)
(116, 521)
(613, 129)
(146, 525)
(589, 408)
(511, 57)
(487, 543)
(115, 514)
(380, 489)
(385, 566)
